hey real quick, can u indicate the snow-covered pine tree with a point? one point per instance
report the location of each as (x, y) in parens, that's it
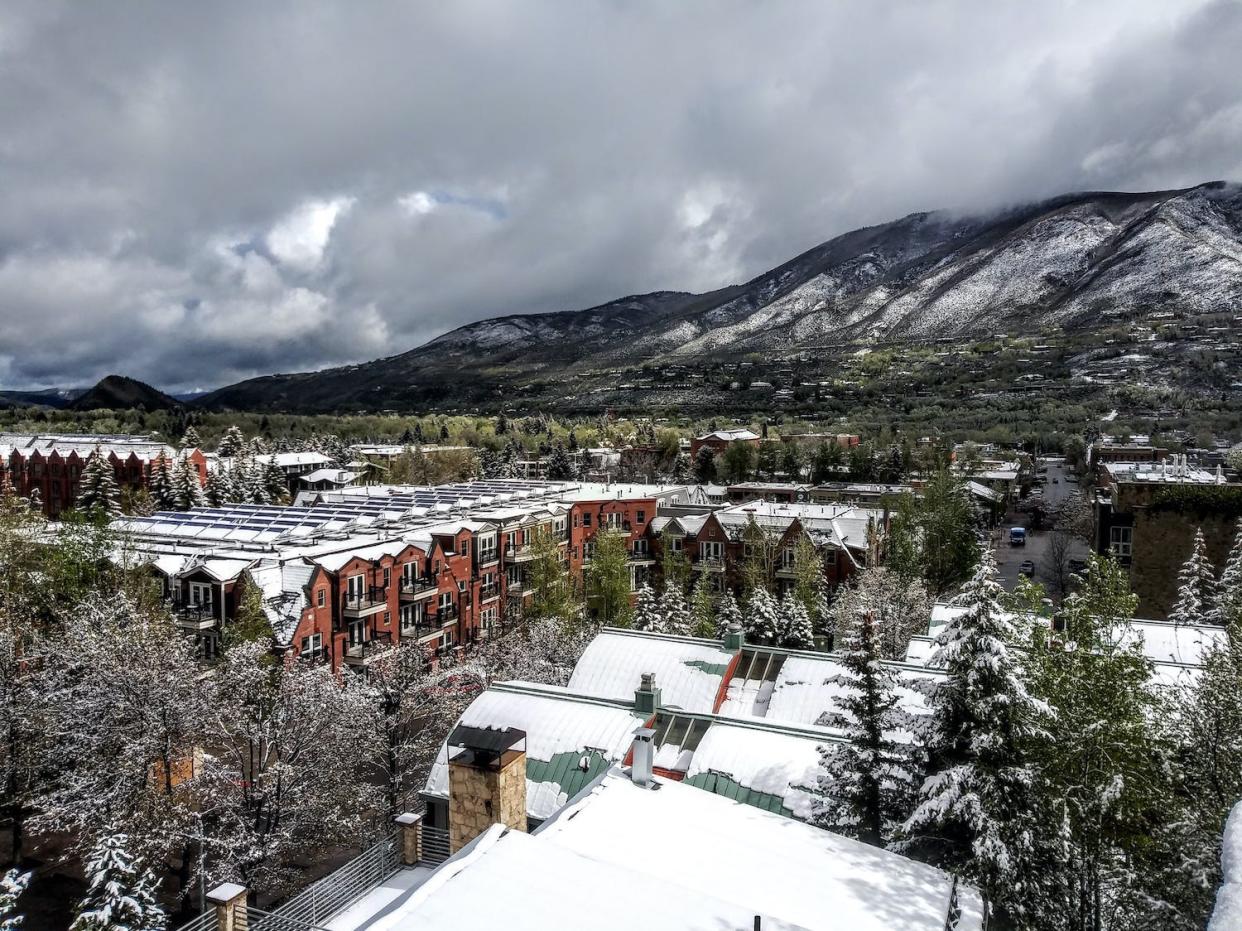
(728, 613)
(187, 492)
(190, 440)
(702, 608)
(12, 884)
(162, 495)
(1196, 585)
(1227, 607)
(975, 811)
(35, 499)
(646, 610)
(231, 443)
(122, 893)
(867, 785)
(256, 485)
(98, 491)
(217, 491)
(674, 612)
(795, 624)
(761, 620)
(274, 482)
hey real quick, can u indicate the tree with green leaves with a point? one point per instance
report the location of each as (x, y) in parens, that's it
(560, 466)
(98, 492)
(1102, 763)
(702, 608)
(187, 490)
(976, 814)
(738, 462)
(548, 578)
(1196, 585)
(808, 569)
(123, 892)
(935, 535)
(674, 563)
(608, 579)
(828, 458)
(250, 623)
(760, 546)
(791, 461)
(867, 784)
(767, 460)
(900, 607)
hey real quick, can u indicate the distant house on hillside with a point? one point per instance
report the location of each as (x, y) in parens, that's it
(719, 440)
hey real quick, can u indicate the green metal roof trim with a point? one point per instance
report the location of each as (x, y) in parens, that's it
(563, 770)
(721, 784)
(712, 669)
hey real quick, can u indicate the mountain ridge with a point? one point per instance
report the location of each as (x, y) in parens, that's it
(1076, 260)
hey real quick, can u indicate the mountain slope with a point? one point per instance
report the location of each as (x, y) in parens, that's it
(118, 392)
(1080, 260)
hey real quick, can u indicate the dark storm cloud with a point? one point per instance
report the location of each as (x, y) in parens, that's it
(194, 193)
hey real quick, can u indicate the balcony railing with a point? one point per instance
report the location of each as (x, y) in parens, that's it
(194, 615)
(488, 592)
(365, 601)
(487, 557)
(446, 613)
(366, 650)
(313, 657)
(710, 563)
(414, 586)
(519, 553)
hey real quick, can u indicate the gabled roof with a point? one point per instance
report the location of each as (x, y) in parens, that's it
(729, 436)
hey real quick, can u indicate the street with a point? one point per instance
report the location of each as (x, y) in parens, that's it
(1059, 484)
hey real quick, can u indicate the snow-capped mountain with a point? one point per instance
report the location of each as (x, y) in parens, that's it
(1077, 261)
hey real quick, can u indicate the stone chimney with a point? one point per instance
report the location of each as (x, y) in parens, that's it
(487, 782)
(647, 695)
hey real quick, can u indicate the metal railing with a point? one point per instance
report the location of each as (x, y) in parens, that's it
(366, 598)
(435, 844)
(321, 900)
(414, 585)
(379, 642)
(207, 921)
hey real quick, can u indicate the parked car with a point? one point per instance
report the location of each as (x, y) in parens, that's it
(1026, 568)
(1017, 536)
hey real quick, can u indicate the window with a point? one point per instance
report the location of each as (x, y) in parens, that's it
(1121, 541)
(464, 546)
(200, 594)
(676, 544)
(412, 616)
(640, 516)
(586, 520)
(387, 576)
(640, 547)
(711, 549)
(387, 618)
(830, 557)
(355, 585)
(312, 644)
(321, 597)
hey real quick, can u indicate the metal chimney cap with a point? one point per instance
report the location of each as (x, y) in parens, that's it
(647, 681)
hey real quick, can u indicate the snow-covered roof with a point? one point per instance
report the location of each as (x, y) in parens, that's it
(623, 856)
(331, 476)
(687, 671)
(729, 436)
(561, 728)
(289, 460)
(772, 769)
(1165, 642)
(841, 525)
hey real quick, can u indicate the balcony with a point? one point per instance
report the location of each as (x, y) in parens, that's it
(488, 592)
(421, 630)
(523, 553)
(313, 657)
(786, 572)
(191, 616)
(446, 614)
(642, 559)
(710, 564)
(516, 589)
(363, 653)
(366, 602)
(488, 557)
(414, 588)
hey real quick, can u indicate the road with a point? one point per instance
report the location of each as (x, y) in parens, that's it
(1008, 558)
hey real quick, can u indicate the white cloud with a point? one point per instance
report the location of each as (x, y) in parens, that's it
(417, 203)
(301, 237)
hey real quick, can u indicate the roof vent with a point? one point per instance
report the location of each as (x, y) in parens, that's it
(643, 757)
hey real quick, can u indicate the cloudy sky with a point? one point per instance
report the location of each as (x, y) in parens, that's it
(192, 193)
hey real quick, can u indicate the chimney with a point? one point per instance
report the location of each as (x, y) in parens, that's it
(734, 638)
(487, 781)
(647, 695)
(643, 756)
(228, 900)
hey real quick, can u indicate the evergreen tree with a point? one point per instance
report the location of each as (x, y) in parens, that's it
(190, 439)
(217, 490)
(795, 624)
(1227, 607)
(702, 608)
(231, 444)
(12, 884)
(762, 619)
(976, 810)
(867, 785)
(705, 465)
(727, 614)
(560, 466)
(187, 492)
(122, 892)
(935, 536)
(161, 485)
(98, 491)
(1196, 586)
(681, 469)
(274, 483)
(646, 610)
(674, 612)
